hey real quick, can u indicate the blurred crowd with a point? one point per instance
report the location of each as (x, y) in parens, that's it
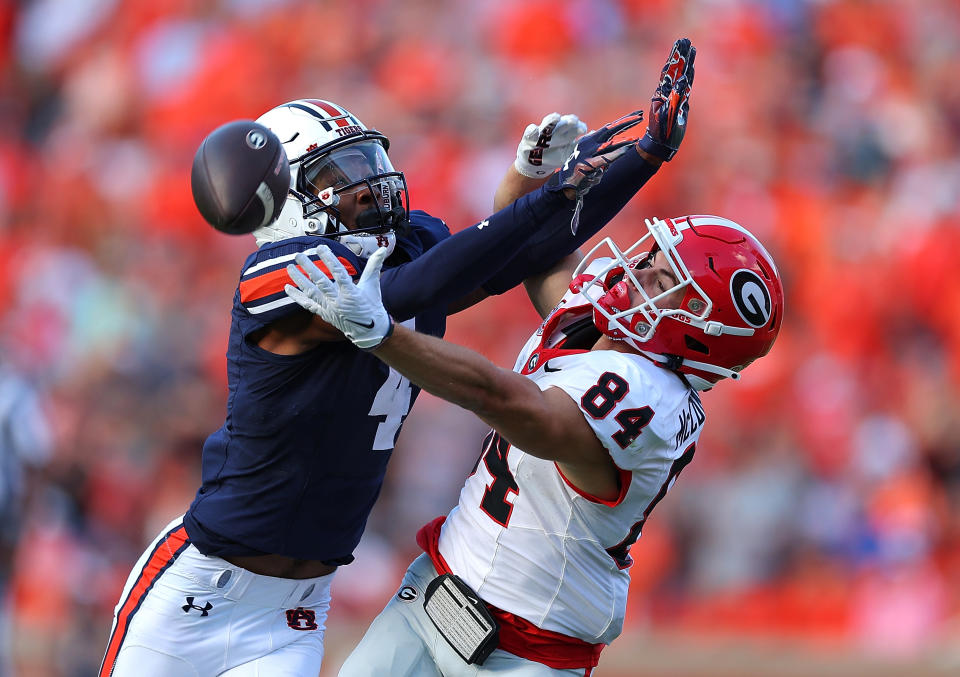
(824, 502)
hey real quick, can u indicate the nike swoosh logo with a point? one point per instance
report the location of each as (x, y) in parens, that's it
(546, 367)
(361, 324)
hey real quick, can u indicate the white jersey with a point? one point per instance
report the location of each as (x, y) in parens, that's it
(531, 543)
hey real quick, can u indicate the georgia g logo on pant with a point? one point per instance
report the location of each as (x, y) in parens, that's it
(302, 619)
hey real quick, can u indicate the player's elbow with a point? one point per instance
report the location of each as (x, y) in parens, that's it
(490, 404)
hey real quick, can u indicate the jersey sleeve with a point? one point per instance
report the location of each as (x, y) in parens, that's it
(425, 232)
(260, 296)
(457, 266)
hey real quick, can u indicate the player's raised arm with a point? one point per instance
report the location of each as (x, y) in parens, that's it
(545, 254)
(548, 251)
(451, 272)
(532, 237)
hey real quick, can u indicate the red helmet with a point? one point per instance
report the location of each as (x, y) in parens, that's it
(732, 305)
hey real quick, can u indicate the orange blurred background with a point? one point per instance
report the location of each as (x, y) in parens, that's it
(818, 531)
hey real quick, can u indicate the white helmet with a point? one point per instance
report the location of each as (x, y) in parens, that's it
(333, 155)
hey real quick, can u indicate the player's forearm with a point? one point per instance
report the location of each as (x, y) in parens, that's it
(444, 369)
(547, 288)
(514, 185)
(459, 375)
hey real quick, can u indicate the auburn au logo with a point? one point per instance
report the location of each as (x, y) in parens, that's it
(302, 619)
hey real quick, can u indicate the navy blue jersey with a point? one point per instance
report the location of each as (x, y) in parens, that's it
(299, 462)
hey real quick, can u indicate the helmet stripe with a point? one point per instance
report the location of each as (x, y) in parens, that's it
(328, 108)
(323, 120)
(344, 112)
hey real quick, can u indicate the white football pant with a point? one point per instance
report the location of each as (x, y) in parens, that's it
(183, 614)
(403, 642)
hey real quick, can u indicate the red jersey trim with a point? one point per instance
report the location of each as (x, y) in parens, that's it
(273, 282)
(518, 635)
(626, 477)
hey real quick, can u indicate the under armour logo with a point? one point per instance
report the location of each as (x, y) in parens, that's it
(573, 156)
(482, 224)
(202, 609)
(302, 619)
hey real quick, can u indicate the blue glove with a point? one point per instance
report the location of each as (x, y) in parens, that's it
(591, 156)
(593, 153)
(671, 103)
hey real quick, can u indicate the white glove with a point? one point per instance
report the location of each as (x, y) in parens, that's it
(544, 148)
(354, 309)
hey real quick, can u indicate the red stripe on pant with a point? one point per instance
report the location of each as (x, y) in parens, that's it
(165, 554)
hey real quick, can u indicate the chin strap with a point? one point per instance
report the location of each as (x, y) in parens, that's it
(290, 223)
(712, 369)
(718, 328)
(365, 244)
(697, 382)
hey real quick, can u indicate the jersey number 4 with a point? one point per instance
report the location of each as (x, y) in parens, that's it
(392, 401)
(621, 551)
(494, 501)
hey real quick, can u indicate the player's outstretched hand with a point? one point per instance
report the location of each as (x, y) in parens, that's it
(354, 309)
(595, 151)
(544, 147)
(670, 103)
(592, 154)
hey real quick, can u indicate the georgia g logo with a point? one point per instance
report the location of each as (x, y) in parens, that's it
(407, 593)
(751, 297)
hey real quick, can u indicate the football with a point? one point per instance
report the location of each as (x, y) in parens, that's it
(240, 177)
